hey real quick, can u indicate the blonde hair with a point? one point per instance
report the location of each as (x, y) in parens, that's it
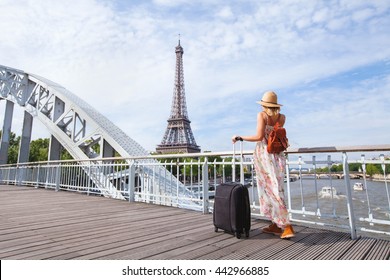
(271, 111)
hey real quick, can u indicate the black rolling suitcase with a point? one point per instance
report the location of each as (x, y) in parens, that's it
(231, 209)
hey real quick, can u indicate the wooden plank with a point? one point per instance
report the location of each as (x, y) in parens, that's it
(102, 245)
(337, 250)
(143, 243)
(59, 226)
(380, 251)
(209, 238)
(268, 252)
(86, 238)
(256, 244)
(300, 246)
(359, 249)
(318, 248)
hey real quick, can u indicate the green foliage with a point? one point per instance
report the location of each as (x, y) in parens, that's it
(13, 148)
(193, 170)
(39, 150)
(355, 167)
(372, 169)
(65, 155)
(336, 168)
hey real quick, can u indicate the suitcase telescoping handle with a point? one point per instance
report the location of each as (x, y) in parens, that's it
(241, 163)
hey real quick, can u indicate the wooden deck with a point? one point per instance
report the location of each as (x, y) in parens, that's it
(37, 224)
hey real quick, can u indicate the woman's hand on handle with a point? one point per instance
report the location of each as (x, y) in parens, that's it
(236, 138)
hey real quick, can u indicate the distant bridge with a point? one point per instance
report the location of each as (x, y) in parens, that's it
(331, 175)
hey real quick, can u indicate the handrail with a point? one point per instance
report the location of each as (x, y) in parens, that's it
(339, 149)
(304, 150)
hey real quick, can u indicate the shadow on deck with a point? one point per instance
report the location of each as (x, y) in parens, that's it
(39, 224)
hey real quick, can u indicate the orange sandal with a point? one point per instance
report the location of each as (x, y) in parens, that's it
(288, 232)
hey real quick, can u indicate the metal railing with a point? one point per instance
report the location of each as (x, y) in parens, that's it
(325, 199)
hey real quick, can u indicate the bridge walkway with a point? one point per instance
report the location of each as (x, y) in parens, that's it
(40, 224)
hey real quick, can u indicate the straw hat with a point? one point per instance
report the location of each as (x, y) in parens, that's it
(270, 99)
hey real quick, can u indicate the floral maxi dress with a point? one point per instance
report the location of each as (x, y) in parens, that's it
(270, 169)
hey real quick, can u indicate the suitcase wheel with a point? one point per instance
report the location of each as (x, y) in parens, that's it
(215, 229)
(238, 235)
(247, 233)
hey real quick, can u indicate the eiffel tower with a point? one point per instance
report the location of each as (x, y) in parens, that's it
(178, 137)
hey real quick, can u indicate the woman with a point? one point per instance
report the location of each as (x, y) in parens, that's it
(270, 168)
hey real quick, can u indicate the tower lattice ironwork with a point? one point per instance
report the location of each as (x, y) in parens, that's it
(178, 137)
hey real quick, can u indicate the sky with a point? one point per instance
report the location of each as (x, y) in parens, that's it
(328, 61)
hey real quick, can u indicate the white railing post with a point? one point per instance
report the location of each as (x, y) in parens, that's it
(58, 177)
(301, 184)
(16, 174)
(364, 170)
(331, 184)
(9, 176)
(316, 186)
(288, 186)
(19, 175)
(38, 171)
(132, 182)
(205, 175)
(351, 213)
(382, 158)
(89, 178)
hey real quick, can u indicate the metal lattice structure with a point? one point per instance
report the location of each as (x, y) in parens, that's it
(78, 126)
(178, 137)
(74, 125)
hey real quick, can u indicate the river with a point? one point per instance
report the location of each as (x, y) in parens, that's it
(373, 200)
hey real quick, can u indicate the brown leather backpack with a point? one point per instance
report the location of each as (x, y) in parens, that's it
(277, 139)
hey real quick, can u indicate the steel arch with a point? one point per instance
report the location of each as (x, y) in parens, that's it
(75, 124)
(67, 117)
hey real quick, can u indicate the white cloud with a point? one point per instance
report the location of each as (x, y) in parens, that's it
(171, 2)
(321, 16)
(363, 14)
(225, 13)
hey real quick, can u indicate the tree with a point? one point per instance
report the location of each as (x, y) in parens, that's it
(372, 169)
(13, 148)
(355, 167)
(65, 155)
(336, 168)
(387, 167)
(39, 150)
(189, 169)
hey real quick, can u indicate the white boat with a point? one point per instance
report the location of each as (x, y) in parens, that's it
(328, 191)
(358, 187)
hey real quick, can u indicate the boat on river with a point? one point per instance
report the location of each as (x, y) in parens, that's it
(328, 191)
(358, 187)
